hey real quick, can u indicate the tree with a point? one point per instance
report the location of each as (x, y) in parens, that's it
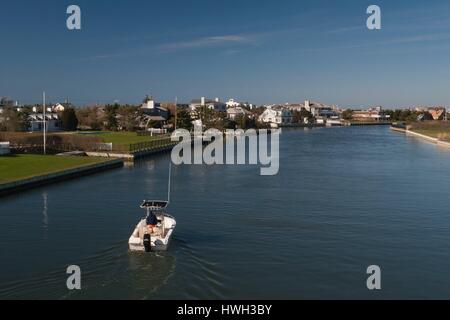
(127, 117)
(111, 117)
(242, 121)
(347, 114)
(13, 120)
(69, 120)
(184, 120)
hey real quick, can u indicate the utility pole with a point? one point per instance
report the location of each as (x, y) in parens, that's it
(176, 112)
(45, 122)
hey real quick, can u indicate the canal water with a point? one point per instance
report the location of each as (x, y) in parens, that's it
(344, 199)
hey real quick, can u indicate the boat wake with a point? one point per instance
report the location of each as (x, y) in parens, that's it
(114, 273)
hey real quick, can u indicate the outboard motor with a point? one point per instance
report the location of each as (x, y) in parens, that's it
(147, 243)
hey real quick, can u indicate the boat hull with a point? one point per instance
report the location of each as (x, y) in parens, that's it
(160, 241)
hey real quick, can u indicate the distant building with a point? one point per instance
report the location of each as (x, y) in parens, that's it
(60, 107)
(36, 122)
(210, 104)
(149, 103)
(153, 110)
(5, 102)
(294, 106)
(4, 148)
(438, 113)
(232, 103)
(372, 114)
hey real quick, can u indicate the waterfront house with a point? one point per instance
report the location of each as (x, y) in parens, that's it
(318, 109)
(276, 116)
(215, 104)
(4, 148)
(235, 112)
(372, 114)
(36, 122)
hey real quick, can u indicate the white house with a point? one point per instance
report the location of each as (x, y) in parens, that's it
(149, 103)
(322, 110)
(276, 116)
(58, 107)
(210, 104)
(153, 110)
(53, 123)
(4, 148)
(234, 112)
(232, 103)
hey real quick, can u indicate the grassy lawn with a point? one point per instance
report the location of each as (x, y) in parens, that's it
(121, 138)
(435, 129)
(18, 167)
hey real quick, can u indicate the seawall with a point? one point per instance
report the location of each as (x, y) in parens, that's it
(20, 185)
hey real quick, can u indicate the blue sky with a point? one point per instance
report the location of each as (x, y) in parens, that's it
(257, 51)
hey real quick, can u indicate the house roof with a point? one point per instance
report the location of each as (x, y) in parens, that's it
(207, 101)
(437, 113)
(237, 110)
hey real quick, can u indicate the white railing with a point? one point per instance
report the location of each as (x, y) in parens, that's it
(4, 148)
(103, 146)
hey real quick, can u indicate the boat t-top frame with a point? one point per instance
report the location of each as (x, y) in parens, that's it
(154, 205)
(157, 205)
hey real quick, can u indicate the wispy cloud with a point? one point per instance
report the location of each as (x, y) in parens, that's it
(418, 38)
(230, 41)
(347, 29)
(206, 42)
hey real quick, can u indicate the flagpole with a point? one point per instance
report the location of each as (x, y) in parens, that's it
(45, 122)
(176, 112)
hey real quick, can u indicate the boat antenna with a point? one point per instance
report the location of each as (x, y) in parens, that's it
(168, 187)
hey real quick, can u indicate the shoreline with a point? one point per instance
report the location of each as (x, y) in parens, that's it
(30, 183)
(433, 140)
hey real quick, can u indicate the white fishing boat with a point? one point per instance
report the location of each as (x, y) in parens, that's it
(154, 236)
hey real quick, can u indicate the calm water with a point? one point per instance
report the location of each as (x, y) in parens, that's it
(345, 198)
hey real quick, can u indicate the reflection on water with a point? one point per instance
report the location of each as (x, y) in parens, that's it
(45, 214)
(345, 198)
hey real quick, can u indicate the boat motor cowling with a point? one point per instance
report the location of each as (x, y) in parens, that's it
(147, 243)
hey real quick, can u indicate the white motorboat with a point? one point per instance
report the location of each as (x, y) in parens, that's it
(158, 239)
